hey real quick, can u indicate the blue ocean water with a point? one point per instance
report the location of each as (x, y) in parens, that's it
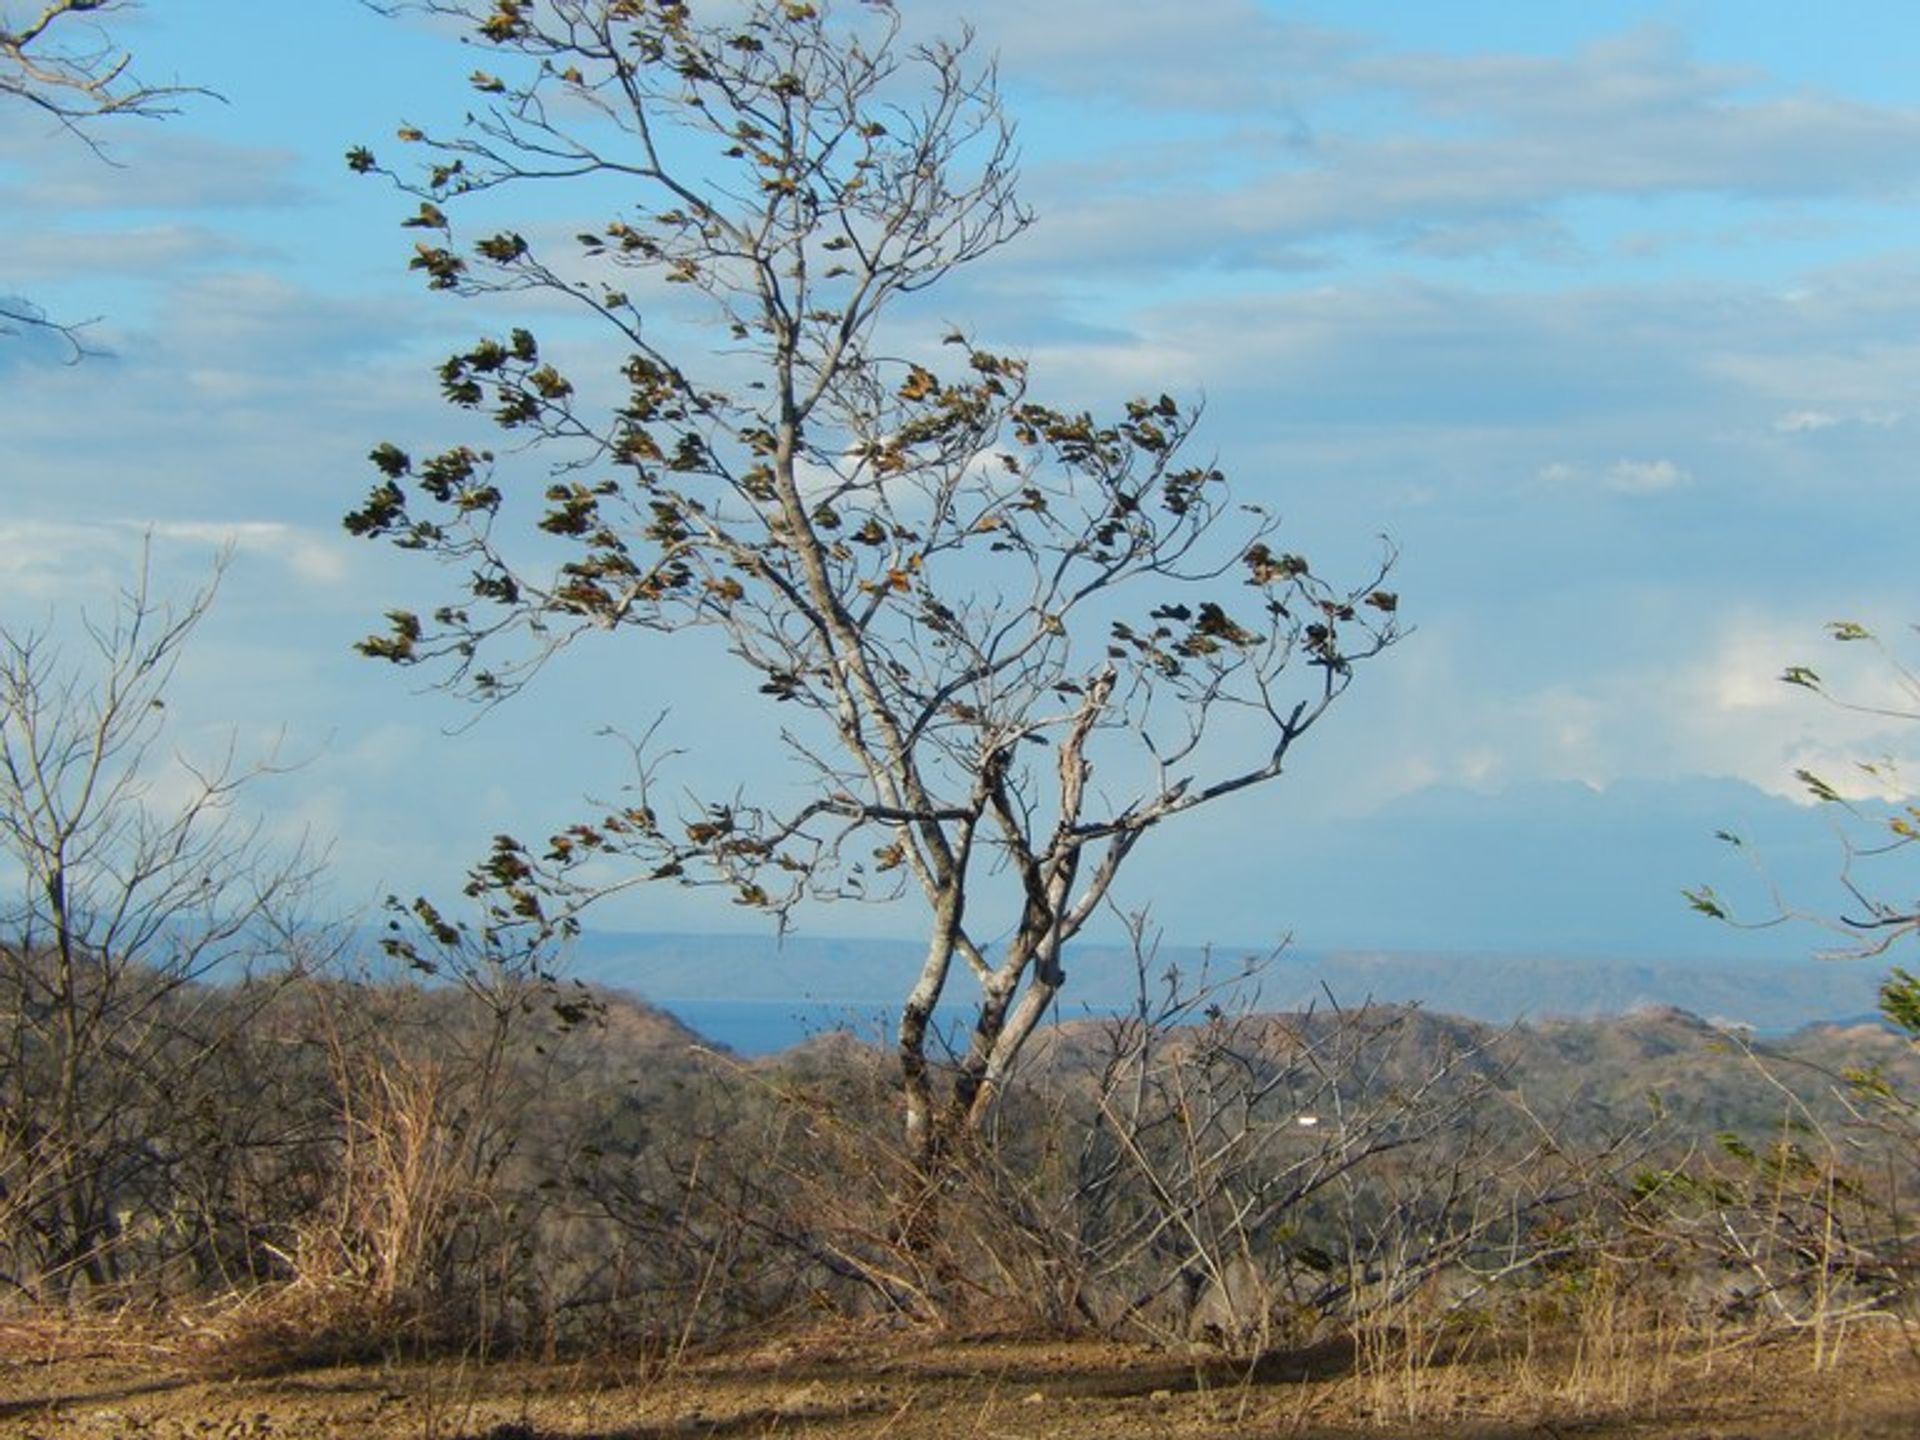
(766, 1027)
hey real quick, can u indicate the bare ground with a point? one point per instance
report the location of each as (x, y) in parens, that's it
(74, 1385)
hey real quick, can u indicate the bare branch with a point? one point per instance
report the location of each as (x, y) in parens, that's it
(1006, 636)
(63, 63)
(19, 317)
(60, 61)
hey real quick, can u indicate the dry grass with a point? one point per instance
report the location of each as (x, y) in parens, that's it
(845, 1382)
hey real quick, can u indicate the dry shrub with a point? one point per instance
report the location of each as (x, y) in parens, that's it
(123, 1333)
(1150, 1178)
(761, 1196)
(409, 1241)
(453, 1187)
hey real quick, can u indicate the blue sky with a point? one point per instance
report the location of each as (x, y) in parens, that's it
(1605, 313)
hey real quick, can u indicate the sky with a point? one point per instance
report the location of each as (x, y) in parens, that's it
(1605, 314)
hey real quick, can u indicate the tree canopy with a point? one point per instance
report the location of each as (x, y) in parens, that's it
(963, 602)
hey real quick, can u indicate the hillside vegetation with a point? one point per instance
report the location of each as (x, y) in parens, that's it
(362, 1167)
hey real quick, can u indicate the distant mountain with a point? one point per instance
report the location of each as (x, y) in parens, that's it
(1538, 900)
(666, 967)
(1767, 995)
(1560, 868)
(1770, 995)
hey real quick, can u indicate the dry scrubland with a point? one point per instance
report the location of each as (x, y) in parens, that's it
(550, 1211)
(501, 1206)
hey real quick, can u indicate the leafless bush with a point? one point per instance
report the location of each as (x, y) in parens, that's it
(1200, 1170)
(1811, 1230)
(1194, 1170)
(414, 1219)
(139, 942)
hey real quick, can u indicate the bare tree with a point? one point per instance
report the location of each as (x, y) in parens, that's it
(58, 59)
(965, 603)
(129, 880)
(72, 69)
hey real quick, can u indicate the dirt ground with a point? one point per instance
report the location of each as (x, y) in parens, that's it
(867, 1386)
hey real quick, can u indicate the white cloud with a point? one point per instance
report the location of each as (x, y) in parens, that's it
(144, 251)
(1207, 56)
(1676, 701)
(1639, 113)
(44, 563)
(1805, 422)
(1646, 477)
(1622, 477)
(315, 557)
(54, 563)
(1520, 139)
(1811, 422)
(167, 168)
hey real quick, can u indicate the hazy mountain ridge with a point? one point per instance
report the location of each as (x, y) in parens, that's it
(1553, 866)
(1536, 900)
(1589, 1078)
(1768, 995)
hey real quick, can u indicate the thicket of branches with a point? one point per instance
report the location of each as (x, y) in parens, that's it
(324, 1146)
(361, 1169)
(210, 1102)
